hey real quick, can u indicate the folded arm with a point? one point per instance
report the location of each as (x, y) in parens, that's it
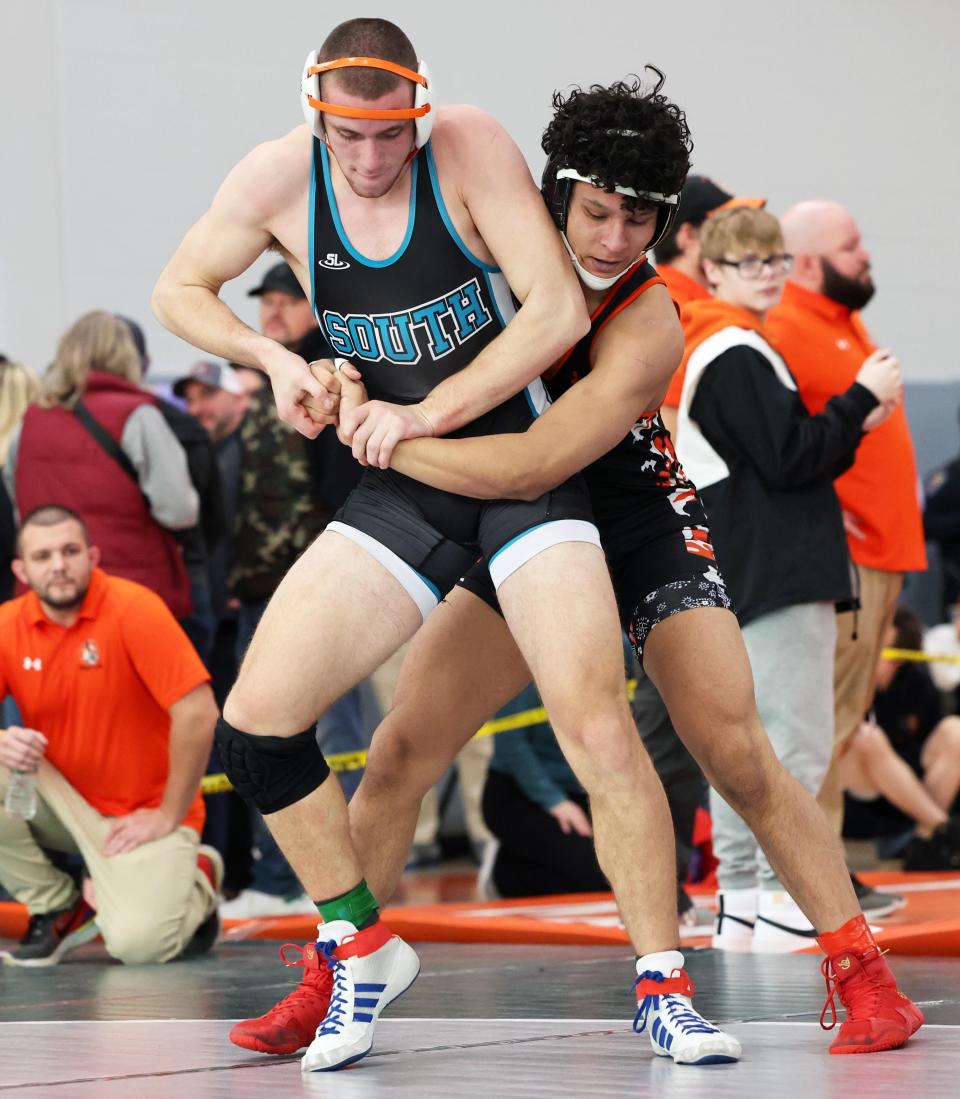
(634, 360)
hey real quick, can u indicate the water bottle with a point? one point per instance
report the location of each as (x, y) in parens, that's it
(21, 799)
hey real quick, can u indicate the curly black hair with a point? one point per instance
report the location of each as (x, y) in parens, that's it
(583, 134)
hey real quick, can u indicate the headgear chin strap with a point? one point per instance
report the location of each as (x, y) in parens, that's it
(422, 111)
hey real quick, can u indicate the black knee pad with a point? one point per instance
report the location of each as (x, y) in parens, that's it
(271, 772)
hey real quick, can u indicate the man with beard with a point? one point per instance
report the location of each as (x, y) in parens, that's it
(817, 327)
(119, 718)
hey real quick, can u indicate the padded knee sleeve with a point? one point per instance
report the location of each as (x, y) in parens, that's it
(271, 772)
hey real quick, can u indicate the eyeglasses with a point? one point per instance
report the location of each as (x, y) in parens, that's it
(753, 268)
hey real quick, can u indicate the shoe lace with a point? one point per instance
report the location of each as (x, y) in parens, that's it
(858, 994)
(679, 1010)
(334, 1018)
(311, 990)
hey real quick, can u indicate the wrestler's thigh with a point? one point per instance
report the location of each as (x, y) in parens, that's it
(698, 662)
(560, 607)
(461, 668)
(337, 615)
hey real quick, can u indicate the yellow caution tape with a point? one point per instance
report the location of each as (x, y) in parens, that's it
(915, 656)
(355, 761)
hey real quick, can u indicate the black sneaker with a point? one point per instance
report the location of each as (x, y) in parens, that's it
(874, 904)
(203, 939)
(52, 934)
(940, 852)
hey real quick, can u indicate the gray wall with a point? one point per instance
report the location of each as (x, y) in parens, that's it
(127, 113)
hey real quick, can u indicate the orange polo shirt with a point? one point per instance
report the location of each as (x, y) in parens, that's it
(683, 289)
(100, 690)
(825, 345)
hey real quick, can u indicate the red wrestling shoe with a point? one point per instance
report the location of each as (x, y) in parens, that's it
(879, 1016)
(292, 1023)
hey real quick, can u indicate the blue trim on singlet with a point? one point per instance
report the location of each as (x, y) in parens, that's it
(441, 206)
(310, 220)
(342, 233)
(487, 271)
(429, 583)
(516, 538)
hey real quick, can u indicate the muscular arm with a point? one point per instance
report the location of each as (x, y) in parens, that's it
(510, 216)
(235, 231)
(635, 357)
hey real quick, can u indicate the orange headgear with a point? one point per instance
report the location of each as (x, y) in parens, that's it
(421, 112)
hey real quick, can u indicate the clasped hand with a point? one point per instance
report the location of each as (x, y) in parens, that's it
(370, 428)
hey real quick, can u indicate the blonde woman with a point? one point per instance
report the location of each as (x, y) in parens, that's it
(97, 443)
(19, 387)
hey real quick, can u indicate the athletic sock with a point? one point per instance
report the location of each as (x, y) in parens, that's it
(664, 962)
(855, 936)
(358, 905)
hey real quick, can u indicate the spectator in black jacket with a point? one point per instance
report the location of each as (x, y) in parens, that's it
(765, 467)
(941, 524)
(901, 769)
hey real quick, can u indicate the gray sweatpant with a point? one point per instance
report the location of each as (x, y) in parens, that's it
(791, 653)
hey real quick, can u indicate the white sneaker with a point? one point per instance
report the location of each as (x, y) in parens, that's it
(736, 916)
(676, 1028)
(781, 927)
(371, 968)
(251, 904)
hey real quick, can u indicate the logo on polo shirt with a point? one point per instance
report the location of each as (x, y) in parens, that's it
(32, 665)
(90, 654)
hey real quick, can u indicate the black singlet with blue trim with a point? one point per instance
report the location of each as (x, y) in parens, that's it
(411, 320)
(407, 323)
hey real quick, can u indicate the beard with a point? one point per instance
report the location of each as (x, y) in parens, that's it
(853, 294)
(64, 602)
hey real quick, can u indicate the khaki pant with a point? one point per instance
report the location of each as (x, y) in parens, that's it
(149, 901)
(855, 670)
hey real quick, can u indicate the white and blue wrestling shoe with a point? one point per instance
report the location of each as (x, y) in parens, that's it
(666, 1012)
(371, 968)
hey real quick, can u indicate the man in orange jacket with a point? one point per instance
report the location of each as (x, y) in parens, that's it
(817, 327)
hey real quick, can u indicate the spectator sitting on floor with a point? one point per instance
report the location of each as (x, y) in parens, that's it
(539, 816)
(99, 441)
(908, 755)
(118, 722)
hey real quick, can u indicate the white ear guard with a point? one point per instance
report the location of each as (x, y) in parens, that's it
(421, 112)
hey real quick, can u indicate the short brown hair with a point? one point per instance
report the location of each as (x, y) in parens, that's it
(368, 38)
(739, 231)
(49, 515)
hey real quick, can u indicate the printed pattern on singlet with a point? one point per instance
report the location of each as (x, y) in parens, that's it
(411, 320)
(644, 460)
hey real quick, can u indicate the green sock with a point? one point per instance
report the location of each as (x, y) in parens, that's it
(358, 905)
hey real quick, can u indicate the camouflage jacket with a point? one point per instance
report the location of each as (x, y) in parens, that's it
(278, 514)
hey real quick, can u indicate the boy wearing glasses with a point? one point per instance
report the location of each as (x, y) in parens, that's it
(765, 469)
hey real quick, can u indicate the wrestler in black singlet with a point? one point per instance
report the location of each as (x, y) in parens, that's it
(651, 522)
(408, 322)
